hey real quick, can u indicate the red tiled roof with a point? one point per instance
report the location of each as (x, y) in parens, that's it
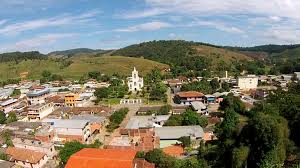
(174, 150)
(104, 158)
(24, 155)
(190, 94)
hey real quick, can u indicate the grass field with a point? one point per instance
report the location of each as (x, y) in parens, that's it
(81, 65)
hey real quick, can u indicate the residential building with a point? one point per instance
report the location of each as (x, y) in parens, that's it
(169, 135)
(8, 105)
(70, 99)
(199, 107)
(108, 158)
(27, 158)
(44, 147)
(38, 95)
(174, 150)
(209, 99)
(39, 111)
(185, 98)
(138, 122)
(96, 122)
(297, 75)
(135, 83)
(70, 130)
(247, 82)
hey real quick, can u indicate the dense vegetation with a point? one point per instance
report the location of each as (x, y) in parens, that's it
(21, 56)
(271, 48)
(116, 118)
(189, 117)
(76, 51)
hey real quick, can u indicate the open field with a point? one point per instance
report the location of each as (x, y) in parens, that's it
(81, 65)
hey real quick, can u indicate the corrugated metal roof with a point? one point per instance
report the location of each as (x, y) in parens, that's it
(175, 132)
(59, 123)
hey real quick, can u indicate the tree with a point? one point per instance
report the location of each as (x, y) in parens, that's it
(101, 93)
(16, 92)
(192, 163)
(160, 159)
(231, 101)
(164, 110)
(3, 156)
(6, 137)
(46, 74)
(228, 127)
(215, 85)
(12, 117)
(185, 140)
(226, 86)
(202, 86)
(240, 156)
(94, 75)
(190, 118)
(268, 136)
(2, 117)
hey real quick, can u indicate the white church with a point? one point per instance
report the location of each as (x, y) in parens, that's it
(135, 83)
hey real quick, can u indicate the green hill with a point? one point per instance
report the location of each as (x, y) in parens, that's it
(20, 56)
(76, 52)
(78, 66)
(183, 53)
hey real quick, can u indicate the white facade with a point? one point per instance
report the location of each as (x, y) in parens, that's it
(135, 83)
(247, 82)
(40, 111)
(8, 105)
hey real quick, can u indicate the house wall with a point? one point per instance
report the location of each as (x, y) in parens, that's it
(245, 83)
(70, 134)
(29, 165)
(42, 113)
(49, 151)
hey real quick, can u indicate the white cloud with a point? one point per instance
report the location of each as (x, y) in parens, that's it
(280, 8)
(2, 22)
(150, 26)
(217, 25)
(35, 43)
(48, 22)
(279, 35)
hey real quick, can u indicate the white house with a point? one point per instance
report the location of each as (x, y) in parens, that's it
(38, 96)
(247, 82)
(297, 75)
(135, 83)
(39, 111)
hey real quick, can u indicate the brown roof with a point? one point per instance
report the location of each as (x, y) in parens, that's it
(190, 94)
(25, 155)
(55, 99)
(174, 150)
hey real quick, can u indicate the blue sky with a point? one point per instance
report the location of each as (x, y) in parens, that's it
(48, 25)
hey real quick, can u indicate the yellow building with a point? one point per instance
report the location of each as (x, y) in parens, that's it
(70, 100)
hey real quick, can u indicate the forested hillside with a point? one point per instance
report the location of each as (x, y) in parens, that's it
(184, 55)
(20, 56)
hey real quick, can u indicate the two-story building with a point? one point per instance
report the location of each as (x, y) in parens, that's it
(8, 105)
(70, 130)
(38, 95)
(247, 82)
(44, 147)
(39, 111)
(185, 98)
